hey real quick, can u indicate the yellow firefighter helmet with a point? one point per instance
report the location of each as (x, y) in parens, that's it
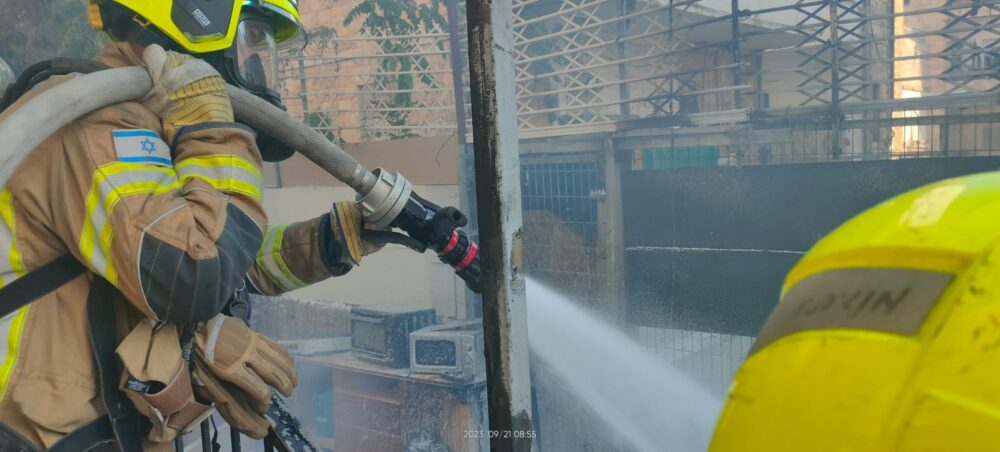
(242, 39)
(887, 335)
(202, 26)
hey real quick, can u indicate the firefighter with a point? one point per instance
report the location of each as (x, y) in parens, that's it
(126, 234)
(887, 335)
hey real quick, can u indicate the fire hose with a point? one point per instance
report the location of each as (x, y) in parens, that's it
(386, 199)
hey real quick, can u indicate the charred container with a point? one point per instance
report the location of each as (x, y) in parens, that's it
(381, 334)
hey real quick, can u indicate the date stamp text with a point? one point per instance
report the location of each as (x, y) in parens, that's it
(502, 434)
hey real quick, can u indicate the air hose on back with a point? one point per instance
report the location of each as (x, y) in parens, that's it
(387, 199)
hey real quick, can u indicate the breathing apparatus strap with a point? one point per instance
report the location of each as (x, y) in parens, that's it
(41, 71)
(93, 437)
(13, 441)
(123, 423)
(39, 282)
(126, 422)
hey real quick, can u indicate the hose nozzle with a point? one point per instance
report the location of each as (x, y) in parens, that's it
(391, 202)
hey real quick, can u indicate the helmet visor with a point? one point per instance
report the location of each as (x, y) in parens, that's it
(256, 55)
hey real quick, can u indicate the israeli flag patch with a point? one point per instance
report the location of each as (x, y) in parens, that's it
(141, 146)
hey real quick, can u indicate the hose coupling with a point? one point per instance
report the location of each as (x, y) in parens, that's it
(386, 199)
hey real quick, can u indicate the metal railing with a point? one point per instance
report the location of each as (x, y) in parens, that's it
(560, 222)
(708, 358)
(205, 440)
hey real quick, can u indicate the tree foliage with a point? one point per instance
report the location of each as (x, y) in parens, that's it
(32, 30)
(396, 17)
(399, 19)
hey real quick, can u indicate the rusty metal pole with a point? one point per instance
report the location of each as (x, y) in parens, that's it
(498, 196)
(455, 58)
(734, 49)
(466, 167)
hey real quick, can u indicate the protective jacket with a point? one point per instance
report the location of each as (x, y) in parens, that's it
(175, 231)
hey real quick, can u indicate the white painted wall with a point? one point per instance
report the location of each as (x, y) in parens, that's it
(393, 275)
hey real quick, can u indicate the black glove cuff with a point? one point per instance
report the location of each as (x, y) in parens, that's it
(329, 249)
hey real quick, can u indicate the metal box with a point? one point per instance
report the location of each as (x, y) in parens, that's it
(380, 334)
(456, 349)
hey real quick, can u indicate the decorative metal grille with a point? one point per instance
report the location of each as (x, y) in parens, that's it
(349, 88)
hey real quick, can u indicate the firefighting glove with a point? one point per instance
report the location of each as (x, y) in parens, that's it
(231, 403)
(236, 369)
(348, 224)
(186, 91)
